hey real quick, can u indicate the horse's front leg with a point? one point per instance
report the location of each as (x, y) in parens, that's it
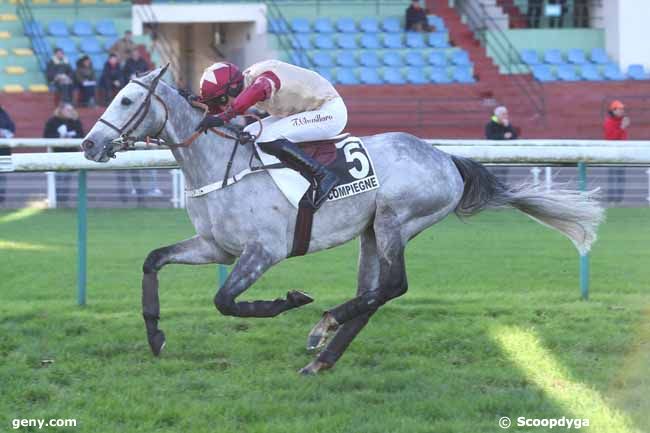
(193, 251)
(253, 262)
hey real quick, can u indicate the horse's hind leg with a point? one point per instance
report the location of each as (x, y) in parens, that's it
(368, 277)
(392, 281)
(193, 251)
(253, 262)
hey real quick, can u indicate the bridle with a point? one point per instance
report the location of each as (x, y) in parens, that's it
(125, 139)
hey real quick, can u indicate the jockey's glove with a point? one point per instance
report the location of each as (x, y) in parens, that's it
(210, 122)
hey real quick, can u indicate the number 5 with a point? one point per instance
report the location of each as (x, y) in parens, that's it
(351, 156)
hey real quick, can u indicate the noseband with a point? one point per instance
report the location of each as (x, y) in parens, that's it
(138, 117)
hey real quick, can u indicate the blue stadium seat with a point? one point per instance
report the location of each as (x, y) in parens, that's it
(369, 76)
(437, 58)
(392, 25)
(324, 42)
(599, 56)
(463, 74)
(322, 59)
(82, 28)
(436, 22)
(415, 40)
(299, 58)
(300, 25)
(346, 25)
(98, 60)
(278, 26)
(106, 28)
(590, 72)
(346, 59)
(415, 58)
(530, 57)
(613, 72)
(323, 25)
(393, 76)
(392, 58)
(461, 58)
(90, 46)
(393, 40)
(439, 76)
(369, 59)
(34, 28)
(370, 41)
(369, 25)
(567, 73)
(66, 44)
(543, 73)
(57, 28)
(301, 41)
(347, 41)
(346, 76)
(416, 76)
(636, 72)
(576, 56)
(109, 42)
(327, 74)
(553, 57)
(438, 40)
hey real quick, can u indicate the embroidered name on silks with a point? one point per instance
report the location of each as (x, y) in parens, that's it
(298, 121)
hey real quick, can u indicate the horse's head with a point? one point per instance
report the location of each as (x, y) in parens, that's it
(135, 113)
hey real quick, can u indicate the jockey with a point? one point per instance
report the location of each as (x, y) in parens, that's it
(302, 106)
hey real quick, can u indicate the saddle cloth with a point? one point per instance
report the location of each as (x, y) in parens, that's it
(345, 155)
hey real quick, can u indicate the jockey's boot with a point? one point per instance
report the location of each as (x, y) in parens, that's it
(290, 154)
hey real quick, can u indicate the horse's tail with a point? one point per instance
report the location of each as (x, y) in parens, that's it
(573, 213)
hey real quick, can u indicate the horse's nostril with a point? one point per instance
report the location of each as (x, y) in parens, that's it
(87, 144)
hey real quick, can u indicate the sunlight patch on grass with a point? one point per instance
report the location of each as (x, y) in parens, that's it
(22, 246)
(579, 400)
(33, 208)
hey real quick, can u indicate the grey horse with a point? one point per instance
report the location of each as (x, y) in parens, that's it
(252, 222)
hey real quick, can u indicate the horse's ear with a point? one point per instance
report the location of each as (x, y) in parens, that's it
(160, 74)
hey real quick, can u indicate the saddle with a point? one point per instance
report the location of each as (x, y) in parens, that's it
(323, 151)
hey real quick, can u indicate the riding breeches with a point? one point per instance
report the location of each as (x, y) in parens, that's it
(326, 122)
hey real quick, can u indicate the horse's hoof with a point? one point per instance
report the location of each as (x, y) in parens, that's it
(314, 368)
(157, 342)
(321, 332)
(297, 298)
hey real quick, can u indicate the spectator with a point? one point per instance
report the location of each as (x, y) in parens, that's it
(615, 128)
(581, 13)
(135, 65)
(123, 47)
(64, 123)
(416, 18)
(7, 130)
(499, 128)
(86, 81)
(59, 74)
(112, 79)
(534, 13)
(558, 19)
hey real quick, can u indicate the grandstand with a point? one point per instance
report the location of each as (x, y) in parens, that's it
(556, 81)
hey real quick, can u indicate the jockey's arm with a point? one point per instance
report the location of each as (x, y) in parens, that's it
(260, 90)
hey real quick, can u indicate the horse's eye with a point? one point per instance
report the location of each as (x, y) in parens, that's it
(126, 101)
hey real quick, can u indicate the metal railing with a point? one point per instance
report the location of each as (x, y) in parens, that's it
(288, 41)
(160, 41)
(35, 32)
(505, 53)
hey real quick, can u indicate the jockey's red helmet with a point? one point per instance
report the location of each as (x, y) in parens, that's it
(219, 81)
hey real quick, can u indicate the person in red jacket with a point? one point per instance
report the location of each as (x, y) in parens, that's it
(615, 128)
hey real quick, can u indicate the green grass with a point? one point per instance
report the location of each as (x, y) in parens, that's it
(492, 326)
